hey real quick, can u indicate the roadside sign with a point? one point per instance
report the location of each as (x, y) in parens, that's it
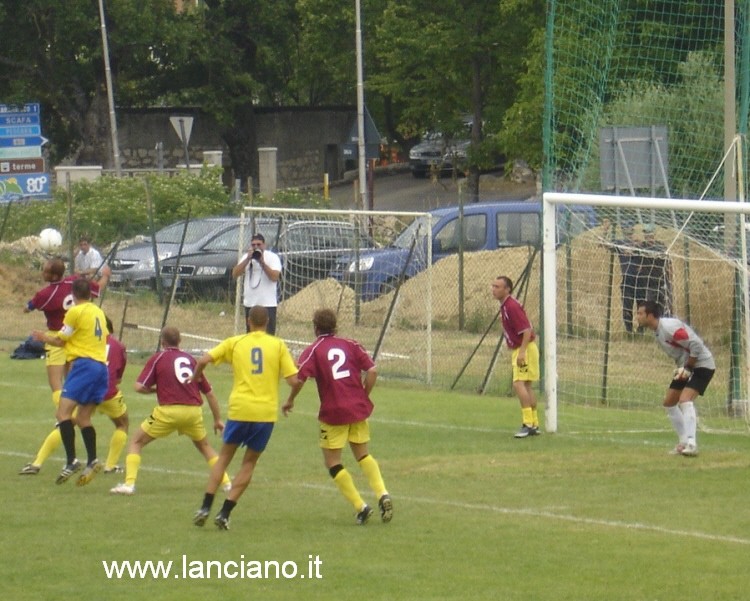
(23, 165)
(21, 152)
(20, 130)
(183, 126)
(15, 187)
(15, 142)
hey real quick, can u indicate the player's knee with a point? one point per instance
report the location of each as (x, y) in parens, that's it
(334, 471)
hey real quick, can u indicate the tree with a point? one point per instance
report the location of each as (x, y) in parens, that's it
(56, 59)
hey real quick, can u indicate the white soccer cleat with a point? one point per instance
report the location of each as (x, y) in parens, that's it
(690, 450)
(678, 449)
(226, 487)
(123, 489)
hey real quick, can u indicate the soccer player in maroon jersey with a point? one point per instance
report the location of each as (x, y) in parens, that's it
(520, 337)
(54, 300)
(337, 364)
(113, 405)
(168, 373)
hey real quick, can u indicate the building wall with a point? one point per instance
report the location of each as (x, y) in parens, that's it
(308, 140)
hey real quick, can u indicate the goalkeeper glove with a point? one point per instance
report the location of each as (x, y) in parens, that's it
(682, 373)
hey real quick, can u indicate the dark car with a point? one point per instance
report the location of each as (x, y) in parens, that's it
(308, 250)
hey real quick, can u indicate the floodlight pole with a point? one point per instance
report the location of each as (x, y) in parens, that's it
(110, 95)
(360, 112)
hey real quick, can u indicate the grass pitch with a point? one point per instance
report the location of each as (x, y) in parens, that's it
(596, 511)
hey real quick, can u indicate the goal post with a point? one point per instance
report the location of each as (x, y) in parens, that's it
(356, 263)
(690, 256)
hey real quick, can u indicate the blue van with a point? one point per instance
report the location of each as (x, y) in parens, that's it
(487, 226)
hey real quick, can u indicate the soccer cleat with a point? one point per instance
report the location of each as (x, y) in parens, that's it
(88, 473)
(535, 431)
(226, 487)
(123, 489)
(68, 471)
(690, 450)
(386, 507)
(364, 515)
(115, 469)
(29, 470)
(679, 448)
(525, 431)
(200, 517)
(221, 521)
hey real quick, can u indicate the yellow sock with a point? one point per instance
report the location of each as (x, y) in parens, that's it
(56, 394)
(226, 479)
(48, 447)
(535, 417)
(345, 484)
(116, 445)
(372, 470)
(527, 416)
(132, 464)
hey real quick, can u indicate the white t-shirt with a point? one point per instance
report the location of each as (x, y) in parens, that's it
(90, 260)
(679, 341)
(259, 289)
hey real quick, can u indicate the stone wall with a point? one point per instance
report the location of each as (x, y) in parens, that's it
(308, 140)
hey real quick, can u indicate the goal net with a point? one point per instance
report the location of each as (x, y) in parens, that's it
(684, 254)
(370, 267)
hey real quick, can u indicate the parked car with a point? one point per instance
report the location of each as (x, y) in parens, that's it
(134, 263)
(437, 151)
(487, 226)
(308, 250)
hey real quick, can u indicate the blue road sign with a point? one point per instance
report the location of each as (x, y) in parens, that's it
(22, 141)
(29, 107)
(20, 130)
(15, 187)
(19, 119)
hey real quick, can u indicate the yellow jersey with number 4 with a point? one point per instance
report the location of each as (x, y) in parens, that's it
(85, 333)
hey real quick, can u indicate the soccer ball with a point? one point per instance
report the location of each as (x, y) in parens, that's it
(50, 239)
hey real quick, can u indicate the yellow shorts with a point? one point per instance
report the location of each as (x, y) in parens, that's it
(183, 419)
(53, 355)
(336, 437)
(114, 407)
(530, 372)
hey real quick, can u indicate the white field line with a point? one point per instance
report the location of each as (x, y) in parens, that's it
(482, 507)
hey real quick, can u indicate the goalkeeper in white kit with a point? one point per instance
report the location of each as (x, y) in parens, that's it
(695, 368)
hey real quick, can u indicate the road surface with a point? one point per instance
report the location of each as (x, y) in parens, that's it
(402, 192)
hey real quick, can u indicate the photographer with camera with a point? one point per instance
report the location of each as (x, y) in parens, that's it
(262, 270)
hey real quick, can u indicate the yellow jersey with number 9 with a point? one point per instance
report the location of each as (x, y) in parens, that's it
(85, 333)
(258, 361)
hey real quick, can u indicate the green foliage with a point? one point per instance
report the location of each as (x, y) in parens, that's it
(111, 209)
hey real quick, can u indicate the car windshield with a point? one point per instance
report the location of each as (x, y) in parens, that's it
(172, 234)
(416, 227)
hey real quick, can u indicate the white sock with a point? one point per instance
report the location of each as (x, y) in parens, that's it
(678, 423)
(690, 419)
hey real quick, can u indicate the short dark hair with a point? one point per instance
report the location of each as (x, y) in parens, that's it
(507, 280)
(81, 289)
(170, 336)
(260, 237)
(257, 316)
(651, 308)
(324, 321)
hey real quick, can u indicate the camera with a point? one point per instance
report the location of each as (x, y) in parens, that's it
(257, 254)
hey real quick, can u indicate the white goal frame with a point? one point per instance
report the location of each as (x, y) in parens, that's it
(358, 216)
(549, 280)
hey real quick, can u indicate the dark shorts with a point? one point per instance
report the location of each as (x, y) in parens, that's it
(253, 435)
(87, 382)
(698, 381)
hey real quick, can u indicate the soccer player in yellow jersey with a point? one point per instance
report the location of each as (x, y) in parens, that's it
(258, 361)
(84, 339)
